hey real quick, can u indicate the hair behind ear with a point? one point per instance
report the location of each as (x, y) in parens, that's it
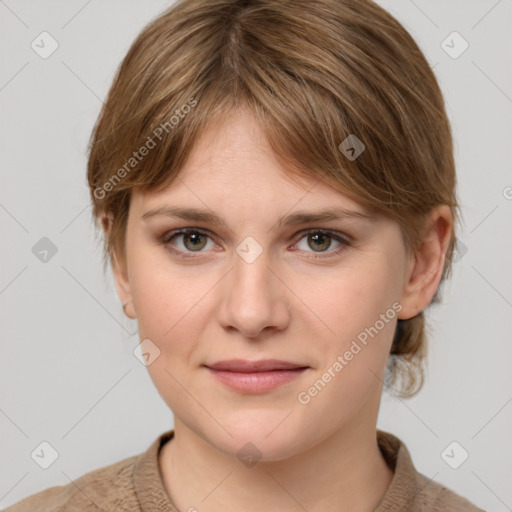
(407, 355)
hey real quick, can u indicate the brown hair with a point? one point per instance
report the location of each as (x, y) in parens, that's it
(312, 73)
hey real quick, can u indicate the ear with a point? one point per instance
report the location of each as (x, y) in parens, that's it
(426, 264)
(120, 272)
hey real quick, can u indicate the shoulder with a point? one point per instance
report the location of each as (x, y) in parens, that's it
(410, 489)
(436, 497)
(107, 488)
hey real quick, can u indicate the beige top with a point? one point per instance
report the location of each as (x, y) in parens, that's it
(135, 485)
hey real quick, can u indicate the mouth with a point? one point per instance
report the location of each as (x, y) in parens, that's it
(255, 377)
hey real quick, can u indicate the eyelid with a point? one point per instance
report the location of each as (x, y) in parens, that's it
(169, 235)
(333, 233)
(344, 236)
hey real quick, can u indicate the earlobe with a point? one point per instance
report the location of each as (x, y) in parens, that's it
(426, 266)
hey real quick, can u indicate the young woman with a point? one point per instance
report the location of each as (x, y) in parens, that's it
(276, 186)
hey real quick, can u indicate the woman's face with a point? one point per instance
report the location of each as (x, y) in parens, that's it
(254, 285)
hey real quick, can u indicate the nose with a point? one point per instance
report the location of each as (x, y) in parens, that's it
(254, 298)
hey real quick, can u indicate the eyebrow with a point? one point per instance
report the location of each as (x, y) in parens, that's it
(300, 217)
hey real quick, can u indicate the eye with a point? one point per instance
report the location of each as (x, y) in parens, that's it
(195, 240)
(192, 240)
(320, 241)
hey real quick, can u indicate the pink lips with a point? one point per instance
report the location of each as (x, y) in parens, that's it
(255, 376)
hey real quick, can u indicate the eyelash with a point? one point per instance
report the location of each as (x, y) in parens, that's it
(165, 240)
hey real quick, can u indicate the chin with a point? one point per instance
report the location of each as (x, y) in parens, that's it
(259, 450)
(259, 436)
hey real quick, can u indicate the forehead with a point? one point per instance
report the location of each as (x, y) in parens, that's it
(232, 163)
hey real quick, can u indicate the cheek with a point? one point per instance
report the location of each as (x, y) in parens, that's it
(351, 301)
(171, 310)
(354, 338)
(167, 300)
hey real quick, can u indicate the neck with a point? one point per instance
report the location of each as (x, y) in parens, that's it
(344, 472)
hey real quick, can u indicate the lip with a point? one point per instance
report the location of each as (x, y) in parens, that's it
(255, 376)
(245, 366)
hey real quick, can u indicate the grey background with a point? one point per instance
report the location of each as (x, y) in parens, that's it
(68, 374)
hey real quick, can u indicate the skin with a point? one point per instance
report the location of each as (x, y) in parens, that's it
(322, 455)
